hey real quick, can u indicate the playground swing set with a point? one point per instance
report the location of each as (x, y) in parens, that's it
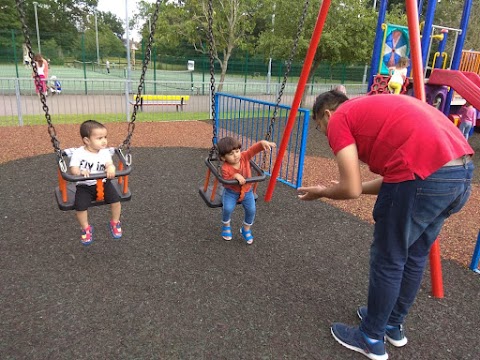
(212, 189)
(441, 85)
(65, 192)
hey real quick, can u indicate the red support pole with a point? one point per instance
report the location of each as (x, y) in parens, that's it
(436, 270)
(415, 49)
(312, 49)
(419, 89)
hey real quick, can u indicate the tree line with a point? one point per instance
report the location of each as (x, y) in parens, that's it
(260, 28)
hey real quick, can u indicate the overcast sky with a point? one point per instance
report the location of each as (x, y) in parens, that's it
(117, 7)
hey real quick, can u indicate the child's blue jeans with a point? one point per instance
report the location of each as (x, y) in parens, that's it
(230, 199)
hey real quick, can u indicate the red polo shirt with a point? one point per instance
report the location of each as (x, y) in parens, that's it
(397, 136)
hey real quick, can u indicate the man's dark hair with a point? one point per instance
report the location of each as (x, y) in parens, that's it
(227, 145)
(88, 126)
(329, 100)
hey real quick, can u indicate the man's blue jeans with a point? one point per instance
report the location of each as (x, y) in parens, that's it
(408, 218)
(230, 199)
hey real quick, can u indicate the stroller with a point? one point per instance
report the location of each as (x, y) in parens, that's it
(54, 86)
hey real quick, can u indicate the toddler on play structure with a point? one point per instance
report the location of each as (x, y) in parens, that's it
(398, 75)
(236, 165)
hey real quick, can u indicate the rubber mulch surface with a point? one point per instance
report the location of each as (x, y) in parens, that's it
(171, 288)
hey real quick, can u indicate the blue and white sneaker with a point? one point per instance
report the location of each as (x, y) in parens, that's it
(352, 338)
(395, 335)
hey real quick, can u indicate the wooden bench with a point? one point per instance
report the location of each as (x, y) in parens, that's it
(162, 100)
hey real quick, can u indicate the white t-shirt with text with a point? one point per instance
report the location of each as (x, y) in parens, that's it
(93, 162)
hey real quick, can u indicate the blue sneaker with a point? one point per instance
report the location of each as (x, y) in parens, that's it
(395, 335)
(352, 338)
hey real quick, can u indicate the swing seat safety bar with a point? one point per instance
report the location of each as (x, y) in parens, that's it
(212, 193)
(65, 192)
(124, 171)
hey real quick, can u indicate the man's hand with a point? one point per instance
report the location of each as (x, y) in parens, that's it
(310, 192)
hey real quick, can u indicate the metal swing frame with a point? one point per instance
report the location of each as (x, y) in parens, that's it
(211, 192)
(65, 192)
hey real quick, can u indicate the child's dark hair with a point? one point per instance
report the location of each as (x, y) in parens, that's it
(329, 100)
(227, 145)
(88, 126)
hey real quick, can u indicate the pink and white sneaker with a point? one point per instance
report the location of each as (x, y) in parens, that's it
(87, 236)
(115, 229)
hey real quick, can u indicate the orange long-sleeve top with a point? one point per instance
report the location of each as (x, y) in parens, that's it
(228, 171)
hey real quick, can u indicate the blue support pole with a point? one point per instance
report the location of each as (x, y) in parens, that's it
(476, 256)
(377, 45)
(420, 7)
(441, 50)
(427, 31)
(457, 55)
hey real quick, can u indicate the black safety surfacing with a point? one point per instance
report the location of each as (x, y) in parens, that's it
(171, 288)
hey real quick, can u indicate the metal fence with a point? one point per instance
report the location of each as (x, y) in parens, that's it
(251, 120)
(110, 100)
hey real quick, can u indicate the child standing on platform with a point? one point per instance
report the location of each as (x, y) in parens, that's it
(93, 158)
(399, 75)
(236, 165)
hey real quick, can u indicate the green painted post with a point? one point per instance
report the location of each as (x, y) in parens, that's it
(155, 70)
(84, 64)
(14, 52)
(143, 60)
(204, 65)
(246, 75)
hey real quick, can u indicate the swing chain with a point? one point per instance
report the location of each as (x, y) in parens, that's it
(287, 70)
(131, 125)
(211, 45)
(285, 78)
(38, 82)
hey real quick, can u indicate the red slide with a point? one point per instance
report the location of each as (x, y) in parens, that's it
(466, 84)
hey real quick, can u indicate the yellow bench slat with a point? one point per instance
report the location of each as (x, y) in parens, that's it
(163, 97)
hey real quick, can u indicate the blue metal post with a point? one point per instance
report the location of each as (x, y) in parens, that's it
(427, 31)
(457, 55)
(441, 50)
(476, 256)
(420, 7)
(377, 45)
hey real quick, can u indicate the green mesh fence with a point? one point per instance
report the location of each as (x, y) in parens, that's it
(76, 56)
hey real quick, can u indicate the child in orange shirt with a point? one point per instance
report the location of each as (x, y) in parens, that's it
(236, 165)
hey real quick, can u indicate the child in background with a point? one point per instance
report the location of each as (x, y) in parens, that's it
(55, 86)
(41, 70)
(398, 76)
(467, 119)
(236, 165)
(93, 158)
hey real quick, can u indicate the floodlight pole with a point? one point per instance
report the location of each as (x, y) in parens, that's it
(269, 73)
(96, 37)
(127, 87)
(36, 24)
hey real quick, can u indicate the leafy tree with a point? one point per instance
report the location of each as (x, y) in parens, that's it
(449, 14)
(234, 24)
(112, 22)
(9, 18)
(347, 35)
